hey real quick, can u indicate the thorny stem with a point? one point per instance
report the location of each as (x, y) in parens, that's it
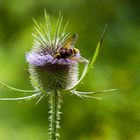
(55, 105)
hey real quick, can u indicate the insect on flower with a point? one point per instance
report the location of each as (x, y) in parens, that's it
(69, 51)
(53, 67)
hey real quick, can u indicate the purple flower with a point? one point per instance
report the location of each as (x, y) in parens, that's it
(41, 59)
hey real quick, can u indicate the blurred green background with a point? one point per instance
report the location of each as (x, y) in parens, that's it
(117, 116)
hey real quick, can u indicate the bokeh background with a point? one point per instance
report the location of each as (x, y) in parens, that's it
(117, 115)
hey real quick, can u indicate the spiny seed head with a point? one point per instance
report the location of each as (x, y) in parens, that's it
(53, 60)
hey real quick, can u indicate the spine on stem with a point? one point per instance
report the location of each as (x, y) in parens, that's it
(54, 115)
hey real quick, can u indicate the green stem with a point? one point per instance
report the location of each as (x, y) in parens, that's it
(55, 105)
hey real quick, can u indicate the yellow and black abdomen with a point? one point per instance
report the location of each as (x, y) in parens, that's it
(66, 53)
(75, 51)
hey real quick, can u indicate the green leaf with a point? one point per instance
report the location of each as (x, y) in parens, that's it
(88, 66)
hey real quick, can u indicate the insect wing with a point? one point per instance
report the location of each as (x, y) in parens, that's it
(80, 59)
(70, 42)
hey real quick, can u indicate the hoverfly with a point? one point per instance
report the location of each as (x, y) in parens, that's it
(68, 51)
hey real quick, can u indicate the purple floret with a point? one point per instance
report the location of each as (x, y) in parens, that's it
(37, 59)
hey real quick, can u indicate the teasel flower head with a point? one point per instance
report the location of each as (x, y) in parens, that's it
(53, 60)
